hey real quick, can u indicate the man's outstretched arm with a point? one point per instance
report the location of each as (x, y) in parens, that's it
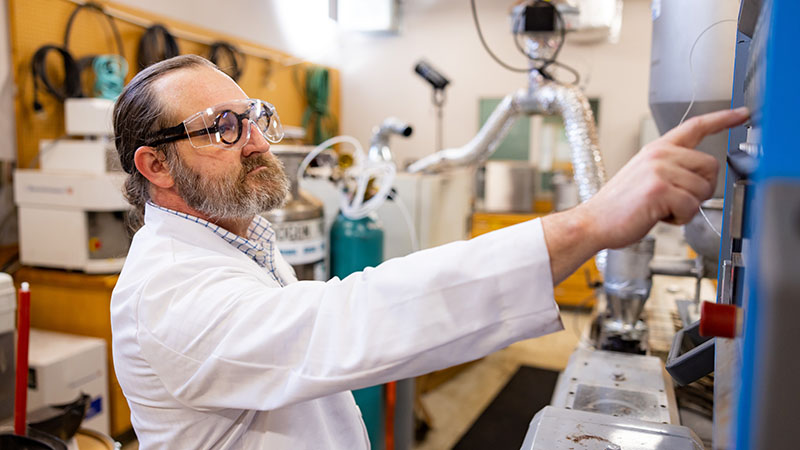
(667, 180)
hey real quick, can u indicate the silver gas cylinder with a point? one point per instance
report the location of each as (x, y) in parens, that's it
(299, 225)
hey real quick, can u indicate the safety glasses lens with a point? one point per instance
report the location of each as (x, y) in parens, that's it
(228, 127)
(197, 130)
(229, 124)
(269, 123)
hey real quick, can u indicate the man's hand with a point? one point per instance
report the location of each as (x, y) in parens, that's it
(666, 180)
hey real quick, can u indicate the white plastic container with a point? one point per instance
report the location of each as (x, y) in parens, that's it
(8, 303)
(89, 116)
(74, 155)
(8, 308)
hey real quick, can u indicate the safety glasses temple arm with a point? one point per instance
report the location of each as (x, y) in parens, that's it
(177, 133)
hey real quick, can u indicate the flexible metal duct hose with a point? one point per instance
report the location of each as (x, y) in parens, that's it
(543, 97)
(480, 147)
(573, 106)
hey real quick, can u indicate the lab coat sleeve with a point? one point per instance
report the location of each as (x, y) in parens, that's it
(221, 338)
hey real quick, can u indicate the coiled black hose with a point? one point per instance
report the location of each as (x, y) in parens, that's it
(156, 44)
(222, 49)
(72, 75)
(111, 22)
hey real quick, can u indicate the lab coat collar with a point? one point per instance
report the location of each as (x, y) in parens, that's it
(188, 231)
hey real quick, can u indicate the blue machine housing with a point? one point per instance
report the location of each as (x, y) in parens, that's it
(763, 256)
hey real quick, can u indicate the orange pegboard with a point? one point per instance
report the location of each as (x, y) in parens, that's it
(34, 23)
(575, 290)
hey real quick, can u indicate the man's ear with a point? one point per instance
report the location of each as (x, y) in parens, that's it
(151, 164)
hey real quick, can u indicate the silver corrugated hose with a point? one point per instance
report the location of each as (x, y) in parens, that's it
(479, 147)
(587, 162)
(542, 97)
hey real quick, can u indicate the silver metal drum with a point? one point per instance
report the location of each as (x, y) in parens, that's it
(299, 225)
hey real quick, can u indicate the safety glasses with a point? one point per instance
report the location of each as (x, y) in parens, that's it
(225, 125)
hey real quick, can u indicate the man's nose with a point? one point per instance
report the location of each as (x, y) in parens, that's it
(257, 142)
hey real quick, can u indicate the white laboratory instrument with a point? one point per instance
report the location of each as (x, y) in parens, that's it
(439, 206)
(64, 366)
(71, 210)
(8, 308)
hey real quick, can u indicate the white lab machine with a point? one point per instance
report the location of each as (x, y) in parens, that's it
(71, 210)
(8, 307)
(439, 207)
(64, 366)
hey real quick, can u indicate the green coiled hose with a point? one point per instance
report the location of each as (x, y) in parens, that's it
(317, 116)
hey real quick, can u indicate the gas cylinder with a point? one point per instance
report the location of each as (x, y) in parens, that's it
(299, 225)
(355, 245)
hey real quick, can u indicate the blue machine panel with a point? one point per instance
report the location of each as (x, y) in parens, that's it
(764, 162)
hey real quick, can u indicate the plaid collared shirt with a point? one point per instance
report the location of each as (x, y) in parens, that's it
(259, 244)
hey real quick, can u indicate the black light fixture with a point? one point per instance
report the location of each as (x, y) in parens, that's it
(439, 82)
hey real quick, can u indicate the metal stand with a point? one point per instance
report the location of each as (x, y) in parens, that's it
(438, 99)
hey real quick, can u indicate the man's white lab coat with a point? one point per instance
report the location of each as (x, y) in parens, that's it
(212, 353)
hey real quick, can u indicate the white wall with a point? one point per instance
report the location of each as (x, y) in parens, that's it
(377, 69)
(378, 78)
(299, 27)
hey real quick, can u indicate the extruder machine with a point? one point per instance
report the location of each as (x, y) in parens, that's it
(615, 393)
(758, 296)
(618, 400)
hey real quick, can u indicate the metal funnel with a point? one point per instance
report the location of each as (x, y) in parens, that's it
(628, 281)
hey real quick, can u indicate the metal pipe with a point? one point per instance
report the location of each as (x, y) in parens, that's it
(480, 147)
(379, 144)
(674, 267)
(587, 163)
(542, 97)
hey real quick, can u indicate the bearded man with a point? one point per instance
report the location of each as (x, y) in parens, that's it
(216, 345)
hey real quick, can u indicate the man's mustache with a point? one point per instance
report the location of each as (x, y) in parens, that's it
(256, 161)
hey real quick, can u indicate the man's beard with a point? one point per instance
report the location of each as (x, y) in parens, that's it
(233, 196)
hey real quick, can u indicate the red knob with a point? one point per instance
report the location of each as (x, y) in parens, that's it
(720, 320)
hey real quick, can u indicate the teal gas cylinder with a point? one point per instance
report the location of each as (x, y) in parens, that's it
(355, 245)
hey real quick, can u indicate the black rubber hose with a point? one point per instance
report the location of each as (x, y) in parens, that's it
(156, 44)
(216, 51)
(72, 76)
(111, 22)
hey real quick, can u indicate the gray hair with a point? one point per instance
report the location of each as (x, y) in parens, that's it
(138, 115)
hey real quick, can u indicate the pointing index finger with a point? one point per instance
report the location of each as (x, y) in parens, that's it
(690, 133)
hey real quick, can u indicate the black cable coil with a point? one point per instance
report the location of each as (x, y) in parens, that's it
(98, 8)
(72, 75)
(222, 49)
(86, 62)
(156, 44)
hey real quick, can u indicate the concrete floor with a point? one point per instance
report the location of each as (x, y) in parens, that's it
(456, 404)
